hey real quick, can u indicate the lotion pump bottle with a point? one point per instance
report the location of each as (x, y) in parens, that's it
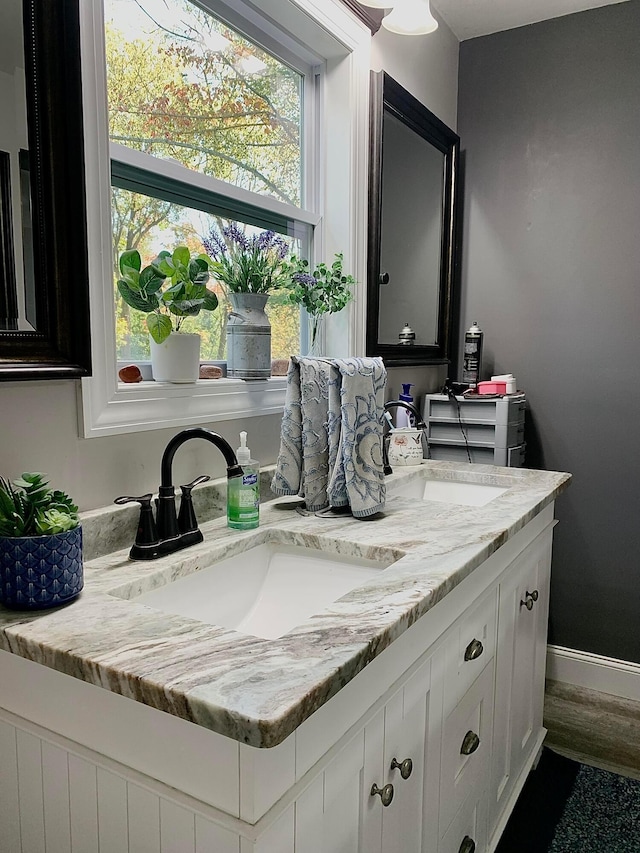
(243, 493)
(403, 417)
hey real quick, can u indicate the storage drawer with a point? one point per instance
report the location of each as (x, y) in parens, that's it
(512, 457)
(501, 435)
(468, 830)
(494, 410)
(466, 748)
(469, 648)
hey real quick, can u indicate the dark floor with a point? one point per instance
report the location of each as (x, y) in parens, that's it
(593, 728)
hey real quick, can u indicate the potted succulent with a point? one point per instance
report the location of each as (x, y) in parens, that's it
(249, 269)
(326, 290)
(169, 290)
(40, 545)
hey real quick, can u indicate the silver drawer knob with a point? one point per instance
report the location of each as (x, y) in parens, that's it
(470, 743)
(405, 767)
(386, 793)
(473, 650)
(468, 845)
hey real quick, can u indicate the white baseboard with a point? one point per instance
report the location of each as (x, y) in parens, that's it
(594, 672)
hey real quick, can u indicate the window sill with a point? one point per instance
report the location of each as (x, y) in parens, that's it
(158, 405)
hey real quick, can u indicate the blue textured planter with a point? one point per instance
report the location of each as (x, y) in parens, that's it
(37, 572)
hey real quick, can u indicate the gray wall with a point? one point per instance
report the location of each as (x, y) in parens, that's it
(549, 117)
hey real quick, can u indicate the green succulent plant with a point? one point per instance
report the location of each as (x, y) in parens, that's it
(185, 296)
(28, 507)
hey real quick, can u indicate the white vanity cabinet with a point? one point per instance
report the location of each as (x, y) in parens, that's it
(449, 715)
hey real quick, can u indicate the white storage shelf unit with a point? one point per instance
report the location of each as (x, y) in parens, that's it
(492, 428)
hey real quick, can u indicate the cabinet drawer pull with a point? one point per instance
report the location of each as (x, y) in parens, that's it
(470, 743)
(529, 599)
(473, 650)
(386, 793)
(405, 767)
(468, 845)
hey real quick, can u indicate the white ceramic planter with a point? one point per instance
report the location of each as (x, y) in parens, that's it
(176, 359)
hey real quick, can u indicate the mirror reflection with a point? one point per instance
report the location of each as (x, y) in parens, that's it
(17, 300)
(411, 229)
(413, 251)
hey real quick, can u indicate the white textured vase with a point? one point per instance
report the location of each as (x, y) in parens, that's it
(176, 359)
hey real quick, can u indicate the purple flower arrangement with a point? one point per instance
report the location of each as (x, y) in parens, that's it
(243, 264)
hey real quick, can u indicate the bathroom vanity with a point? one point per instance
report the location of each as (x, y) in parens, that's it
(403, 716)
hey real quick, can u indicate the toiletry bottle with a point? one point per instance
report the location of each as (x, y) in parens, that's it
(472, 357)
(243, 493)
(403, 417)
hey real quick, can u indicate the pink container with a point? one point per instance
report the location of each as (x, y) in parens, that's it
(492, 388)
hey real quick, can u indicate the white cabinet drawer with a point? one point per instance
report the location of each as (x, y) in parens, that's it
(466, 748)
(469, 648)
(468, 830)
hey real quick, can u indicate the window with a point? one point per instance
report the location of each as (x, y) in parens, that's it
(202, 114)
(183, 85)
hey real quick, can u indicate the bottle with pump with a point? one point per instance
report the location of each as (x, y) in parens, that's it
(403, 417)
(243, 493)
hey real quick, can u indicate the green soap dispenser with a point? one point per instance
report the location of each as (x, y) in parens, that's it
(243, 493)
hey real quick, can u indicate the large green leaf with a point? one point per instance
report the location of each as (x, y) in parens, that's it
(199, 271)
(181, 256)
(210, 301)
(151, 279)
(186, 307)
(135, 300)
(130, 260)
(159, 326)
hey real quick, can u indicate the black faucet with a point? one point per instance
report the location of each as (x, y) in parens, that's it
(394, 404)
(169, 531)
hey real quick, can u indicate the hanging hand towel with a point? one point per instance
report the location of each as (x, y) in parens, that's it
(357, 478)
(331, 440)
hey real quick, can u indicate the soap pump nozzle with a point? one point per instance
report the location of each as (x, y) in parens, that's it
(243, 453)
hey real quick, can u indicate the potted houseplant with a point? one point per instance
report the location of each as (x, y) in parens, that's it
(169, 290)
(326, 290)
(40, 545)
(249, 269)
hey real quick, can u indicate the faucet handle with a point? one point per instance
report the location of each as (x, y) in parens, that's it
(201, 479)
(146, 545)
(187, 517)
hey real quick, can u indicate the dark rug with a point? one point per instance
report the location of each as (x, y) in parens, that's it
(567, 807)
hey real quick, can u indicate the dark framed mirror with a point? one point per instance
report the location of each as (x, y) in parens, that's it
(413, 241)
(44, 295)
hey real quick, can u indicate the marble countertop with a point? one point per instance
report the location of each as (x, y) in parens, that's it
(259, 691)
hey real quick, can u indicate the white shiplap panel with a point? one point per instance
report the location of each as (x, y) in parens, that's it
(211, 838)
(83, 798)
(30, 792)
(9, 812)
(144, 820)
(55, 788)
(113, 832)
(177, 829)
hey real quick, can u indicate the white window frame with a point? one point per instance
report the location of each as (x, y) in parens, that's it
(110, 407)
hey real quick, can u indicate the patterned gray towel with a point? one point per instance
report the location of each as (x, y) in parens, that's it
(331, 438)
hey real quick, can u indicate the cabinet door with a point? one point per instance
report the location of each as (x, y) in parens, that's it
(408, 722)
(340, 812)
(334, 812)
(520, 666)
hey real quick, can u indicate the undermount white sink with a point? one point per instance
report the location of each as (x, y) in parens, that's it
(265, 591)
(448, 491)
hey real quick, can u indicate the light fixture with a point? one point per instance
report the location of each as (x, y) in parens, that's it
(252, 65)
(410, 18)
(379, 4)
(214, 42)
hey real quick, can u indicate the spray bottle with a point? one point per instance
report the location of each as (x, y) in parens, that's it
(472, 358)
(243, 493)
(403, 417)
